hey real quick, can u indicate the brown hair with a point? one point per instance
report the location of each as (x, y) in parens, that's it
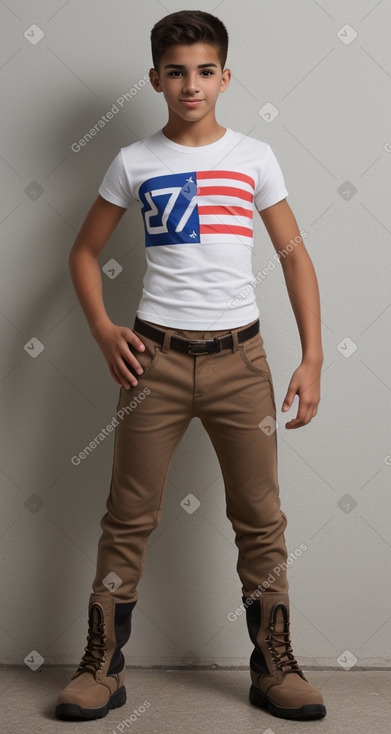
(185, 28)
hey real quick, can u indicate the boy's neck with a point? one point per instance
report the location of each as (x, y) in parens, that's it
(193, 134)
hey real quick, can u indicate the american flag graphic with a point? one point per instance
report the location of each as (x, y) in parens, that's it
(204, 207)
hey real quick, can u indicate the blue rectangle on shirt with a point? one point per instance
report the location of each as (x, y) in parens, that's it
(169, 209)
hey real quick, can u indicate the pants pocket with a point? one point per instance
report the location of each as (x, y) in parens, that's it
(253, 355)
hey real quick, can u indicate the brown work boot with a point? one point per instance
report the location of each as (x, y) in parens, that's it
(278, 683)
(98, 684)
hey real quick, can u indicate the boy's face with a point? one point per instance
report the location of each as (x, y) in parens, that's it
(191, 79)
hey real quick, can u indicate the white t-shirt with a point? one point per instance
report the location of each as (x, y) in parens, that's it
(197, 205)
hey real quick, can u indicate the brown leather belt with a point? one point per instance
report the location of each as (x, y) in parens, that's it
(196, 346)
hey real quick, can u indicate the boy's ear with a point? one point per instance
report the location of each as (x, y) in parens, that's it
(154, 79)
(225, 79)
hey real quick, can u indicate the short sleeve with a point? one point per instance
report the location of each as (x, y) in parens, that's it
(271, 188)
(115, 185)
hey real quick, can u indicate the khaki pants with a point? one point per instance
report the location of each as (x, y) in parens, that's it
(231, 392)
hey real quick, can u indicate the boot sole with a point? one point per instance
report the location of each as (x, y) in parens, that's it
(309, 711)
(73, 711)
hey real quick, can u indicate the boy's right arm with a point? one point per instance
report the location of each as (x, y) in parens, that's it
(113, 340)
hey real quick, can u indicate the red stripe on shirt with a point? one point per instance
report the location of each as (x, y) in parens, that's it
(225, 229)
(225, 191)
(238, 211)
(226, 174)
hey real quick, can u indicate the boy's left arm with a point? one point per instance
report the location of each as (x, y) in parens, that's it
(302, 287)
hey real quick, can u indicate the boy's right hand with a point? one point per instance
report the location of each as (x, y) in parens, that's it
(113, 341)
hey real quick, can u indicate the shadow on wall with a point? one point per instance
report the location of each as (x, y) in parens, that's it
(58, 391)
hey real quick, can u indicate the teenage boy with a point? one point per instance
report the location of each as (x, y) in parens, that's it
(193, 353)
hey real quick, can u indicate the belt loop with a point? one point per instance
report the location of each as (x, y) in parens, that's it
(167, 339)
(235, 341)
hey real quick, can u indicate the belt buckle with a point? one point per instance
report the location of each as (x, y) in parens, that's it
(204, 346)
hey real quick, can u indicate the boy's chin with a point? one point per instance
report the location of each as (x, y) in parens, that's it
(194, 114)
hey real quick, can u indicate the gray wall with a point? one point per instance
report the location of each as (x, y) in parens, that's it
(332, 139)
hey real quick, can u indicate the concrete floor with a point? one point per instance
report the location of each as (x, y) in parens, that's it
(195, 702)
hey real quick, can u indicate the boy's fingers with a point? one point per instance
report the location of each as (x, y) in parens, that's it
(134, 340)
(128, 367)
(125, 375)
(122, 380)
(289, 397)
(304, 416)
(128, 360)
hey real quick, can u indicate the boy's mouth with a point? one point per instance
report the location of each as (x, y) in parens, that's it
(191, 102)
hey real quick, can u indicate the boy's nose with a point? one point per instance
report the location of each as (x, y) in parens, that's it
(190, 85)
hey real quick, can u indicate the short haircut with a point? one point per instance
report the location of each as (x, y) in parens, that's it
(185, 28)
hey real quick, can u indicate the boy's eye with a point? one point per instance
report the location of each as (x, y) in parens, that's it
(176, 74)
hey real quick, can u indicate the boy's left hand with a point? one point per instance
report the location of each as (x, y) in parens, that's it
(305, 383)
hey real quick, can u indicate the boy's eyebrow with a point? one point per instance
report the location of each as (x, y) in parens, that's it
(181, 66)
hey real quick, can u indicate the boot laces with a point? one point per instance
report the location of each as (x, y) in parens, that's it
(95, 651)
(279, 644)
